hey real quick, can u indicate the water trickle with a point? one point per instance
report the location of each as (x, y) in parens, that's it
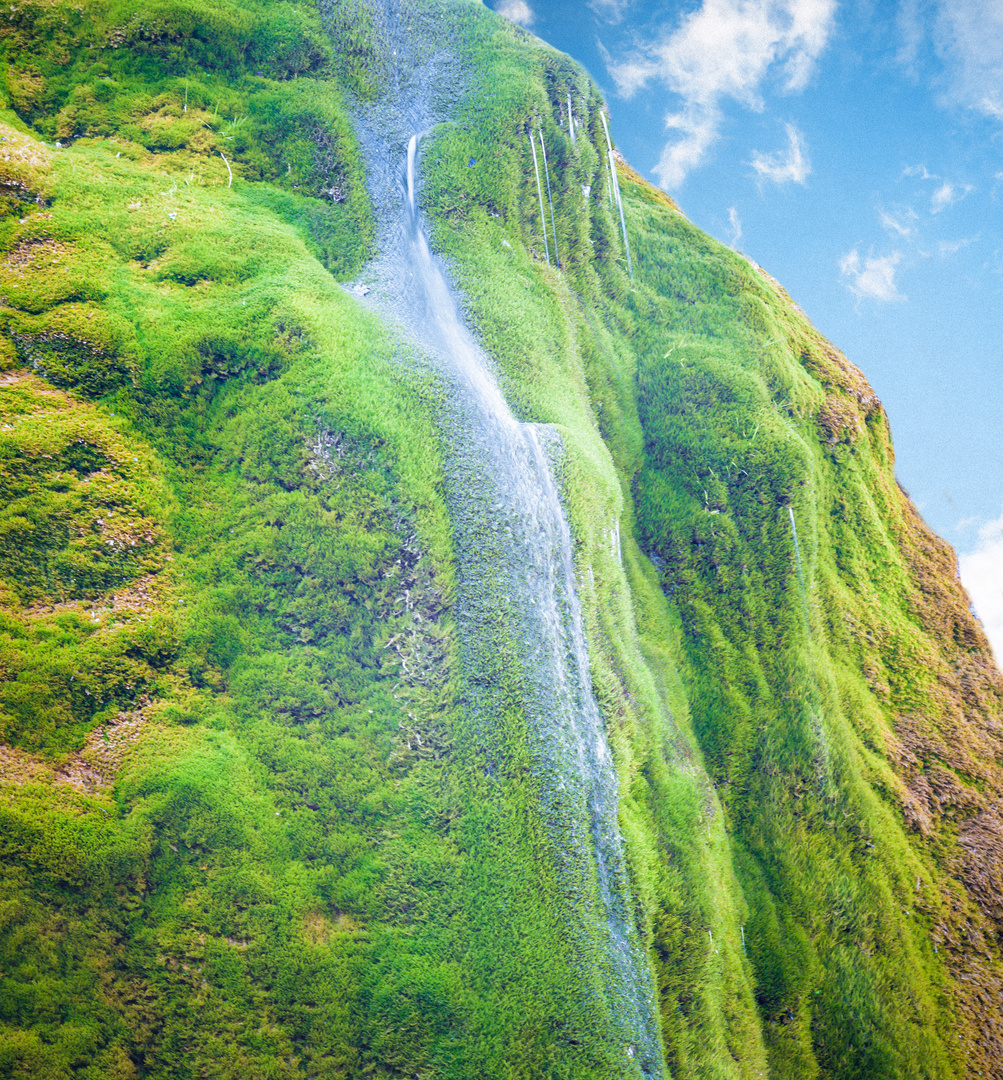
(550, 199)
(412, 151)
(822, 762)
(615, 195)
(800, 569)
(515, 569)
(539, 191)
(609, 159)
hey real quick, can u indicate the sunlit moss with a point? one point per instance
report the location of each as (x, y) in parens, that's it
(249, 828)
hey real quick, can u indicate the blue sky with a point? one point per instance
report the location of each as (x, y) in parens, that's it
(854, 149)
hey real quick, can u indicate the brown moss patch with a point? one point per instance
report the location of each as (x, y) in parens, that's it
(981, 839)
(135, 601)
(19, 152)
(839, 420)
(95, 766)
(832, 369)
(33, 253)
(941, 603)
(949, 754)
(645, 188)
(318, 928)
(92, 768)
(24, 164)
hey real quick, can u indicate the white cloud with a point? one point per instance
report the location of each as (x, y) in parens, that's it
(952, 247)
(787, 166)
(982, 575)
(517, 11)
(725, 49)
(921, 171)
(947, 195)
(968, 36)
(610, 10)
(874, 277)
(736, 225)
(901, 223)
(679, 158)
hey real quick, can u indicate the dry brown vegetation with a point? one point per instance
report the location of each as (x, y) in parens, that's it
(950, 758)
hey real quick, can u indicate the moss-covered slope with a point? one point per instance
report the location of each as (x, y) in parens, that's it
(245, 829)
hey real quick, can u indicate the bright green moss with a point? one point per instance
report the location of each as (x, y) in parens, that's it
(258, 832)
(199, 86)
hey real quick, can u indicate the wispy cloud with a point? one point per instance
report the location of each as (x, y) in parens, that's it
(903, 222)
(872, 278)
(610, 10)
(968, 36)
(932, 194)
(952, 247)
(787, 166)
(947, 195)
(919, 170)
(912, 31)
(725, 49)
(736, 225)
(982, 575)
(517, 11)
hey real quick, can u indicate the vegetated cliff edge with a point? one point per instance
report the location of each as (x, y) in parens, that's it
(253, 823)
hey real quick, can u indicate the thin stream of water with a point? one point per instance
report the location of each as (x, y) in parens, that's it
(567, 732)
(797, 560)
(515, 569)
(822, 759)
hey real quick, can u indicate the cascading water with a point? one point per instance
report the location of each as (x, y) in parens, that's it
(516, 502)
(515, 571)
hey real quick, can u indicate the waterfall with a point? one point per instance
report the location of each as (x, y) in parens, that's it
(515, 570)
(507, 474)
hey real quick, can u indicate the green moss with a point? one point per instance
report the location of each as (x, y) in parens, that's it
(201, 86)
(250, 824)
(723, 412)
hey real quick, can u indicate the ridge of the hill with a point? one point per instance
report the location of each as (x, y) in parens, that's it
(273, 802)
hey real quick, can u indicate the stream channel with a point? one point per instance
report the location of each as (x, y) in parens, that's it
(516, 602)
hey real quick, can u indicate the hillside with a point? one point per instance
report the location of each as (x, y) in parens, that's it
(420, 658)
